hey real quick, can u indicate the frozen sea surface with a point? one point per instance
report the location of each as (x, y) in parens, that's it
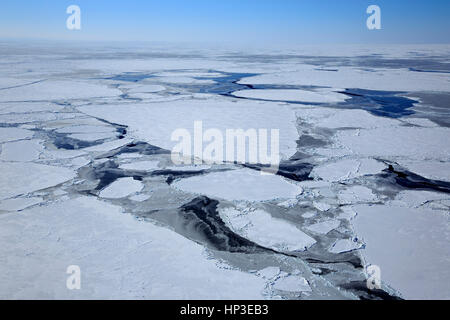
(88, 179)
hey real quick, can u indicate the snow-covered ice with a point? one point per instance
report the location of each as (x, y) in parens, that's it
(21, 177)
(292, 283)
(140, 165)
(119, 256)
(410, 246)
(291, 95)
(88, 179)
(240, 185)
(260, 227)
(324, 227)
(121, 188)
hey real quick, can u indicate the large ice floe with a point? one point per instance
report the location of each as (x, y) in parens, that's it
(242, 184)
(88, 178)
(292, 95)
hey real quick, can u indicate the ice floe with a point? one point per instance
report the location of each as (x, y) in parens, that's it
(140, 165)
(292, 283)
(355, 194)
(347, 169)
(23, 177)
(260, 227)
(57, 89)
(346, 245)
(397, 142)
(292, 95)
(245, 115)
(269, 272)
(119, 256)
(240, 185)
(409, 245)
(321, 206)
(324, 227)
(121, 188)
(12, 134)
(25, 150)
(348, 77)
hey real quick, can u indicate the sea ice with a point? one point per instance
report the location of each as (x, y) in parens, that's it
(345, 245)
(347, 169)
(25, 150)
(13, 134)
(119, 256)
(292, 95)
(324, 227)
(269, 272)
(260, 227)
(57, 89)
(292, 283)
(350, 77)
(240, 185)
(18, 204)
(410, 246)
(356, 194)
(24, 177)
(155, 122)
(140, 165)
(121, 188)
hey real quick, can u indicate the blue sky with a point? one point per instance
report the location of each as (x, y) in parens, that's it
(241, 21)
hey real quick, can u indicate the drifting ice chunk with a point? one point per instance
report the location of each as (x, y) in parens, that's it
(241, 184)
(321, 206)
(347, 169)
(292, 284)
(324, 227)
(356, 194)
(121, 188)
(292, 95)
(269, 272)
(140, 165)
(345, 245)
(260, 227)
